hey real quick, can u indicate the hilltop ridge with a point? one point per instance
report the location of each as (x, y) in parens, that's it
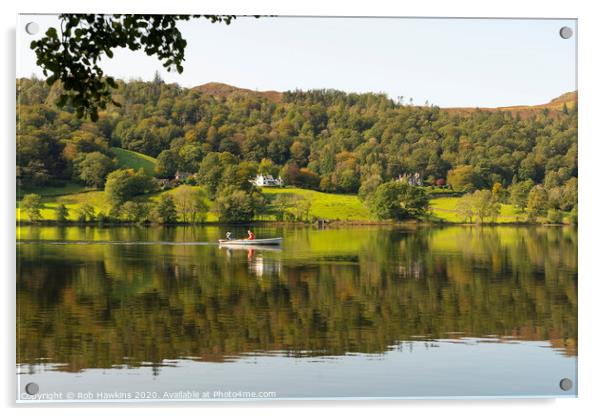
(554, 105)
(218, 89)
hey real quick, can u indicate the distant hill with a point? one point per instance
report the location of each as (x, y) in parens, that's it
(555, 105)
(218, 89)
(134, 160)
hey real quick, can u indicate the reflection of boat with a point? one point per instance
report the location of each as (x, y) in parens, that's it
(256, 242)
(263, 266)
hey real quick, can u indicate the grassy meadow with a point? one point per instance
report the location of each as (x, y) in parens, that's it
(134, 160)
(333, 207)
(76, 200)
(327, 206)
(323, 205)
(444, 209)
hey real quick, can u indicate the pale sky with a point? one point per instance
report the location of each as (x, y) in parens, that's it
(449, 62)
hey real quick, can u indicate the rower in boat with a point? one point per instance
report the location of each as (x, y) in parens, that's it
(251, 235)
(251, 241)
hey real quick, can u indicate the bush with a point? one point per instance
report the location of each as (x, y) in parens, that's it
(555, 216)
(102, 218)
(537, 201)
(368, 187)
(61, 213)
(32, 204)
(235, 205)
(86, 213)
(308, 179)
(573, 216)
(165, 210)
(135, 211)
(123, 184)
(94, 167)
(190, 203)
(461, 178)
(395, 200)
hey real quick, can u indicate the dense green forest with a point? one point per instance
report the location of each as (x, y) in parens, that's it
(321, 139)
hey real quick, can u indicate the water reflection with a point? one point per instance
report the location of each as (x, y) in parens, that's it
(172, 293)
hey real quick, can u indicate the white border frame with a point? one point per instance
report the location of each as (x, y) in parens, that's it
(589, 68)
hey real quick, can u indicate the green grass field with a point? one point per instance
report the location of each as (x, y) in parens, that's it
(65, 188)
(95, 198)
(134, 160)
(334, 207)
(327, 206)
(73, 202)
(323, 205)
(445, 209)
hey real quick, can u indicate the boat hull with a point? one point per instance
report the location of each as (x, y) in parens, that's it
(256, 242)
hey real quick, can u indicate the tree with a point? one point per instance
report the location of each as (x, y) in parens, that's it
(134, 211)
(563, 197)
(73, 56)
(461, 178)
(117, 187)
(267, 167)
(35, 173)
(281, 205)
(167, 164)
(190, 203)
(555, 216)
(211, 170)
(326, 184)
(396, 200)
(481, 204)
(240, 175)
(298, 153)
(302, 207)
(123, 184)
(537, 203)
(234, 205)
(519, 193)
(86, 213)
(32, 204)
(369, 186)
(62, 213)
(308, 179)
(466, 207)
(498, 192)
(347, 180)
(574, 215)
(190, 155)
(485, 205)
(94, 168)
(290, 173)
(166, 209)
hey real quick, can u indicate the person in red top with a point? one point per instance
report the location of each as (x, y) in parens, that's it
(251, 235)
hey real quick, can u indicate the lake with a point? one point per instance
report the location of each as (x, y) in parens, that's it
(135, 313)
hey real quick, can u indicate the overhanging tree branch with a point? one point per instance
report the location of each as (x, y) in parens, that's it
(73, 56)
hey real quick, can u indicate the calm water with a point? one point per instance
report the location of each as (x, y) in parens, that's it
(164, 313)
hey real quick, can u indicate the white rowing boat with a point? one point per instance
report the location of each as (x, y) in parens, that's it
(256, 242)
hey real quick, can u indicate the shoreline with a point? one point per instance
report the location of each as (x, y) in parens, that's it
(332, 224)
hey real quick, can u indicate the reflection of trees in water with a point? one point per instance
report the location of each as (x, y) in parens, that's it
(97, 306)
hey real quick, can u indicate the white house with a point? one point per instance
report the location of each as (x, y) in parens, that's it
(412, 179)
(182, 176)
(267, 180)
